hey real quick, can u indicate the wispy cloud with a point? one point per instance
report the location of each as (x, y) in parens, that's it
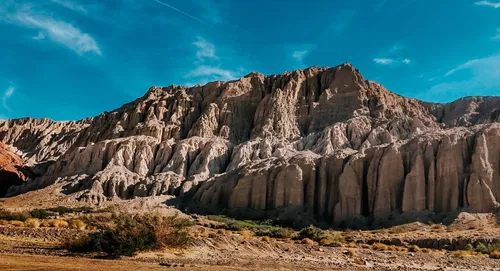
(384, 61)
(208, 65)
(206, 50)
(497, 36)
(299, 55)
(212, 73)
(488, 3)
(391, 61)
(479, 76)
(57, 31)
(40, 36)
(71, 5)
(182, 12)
(6, 95)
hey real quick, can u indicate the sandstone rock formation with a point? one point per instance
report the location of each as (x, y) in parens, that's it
(10, 169)
(322, 140)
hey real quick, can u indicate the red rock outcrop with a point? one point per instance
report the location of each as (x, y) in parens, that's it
(10, 174)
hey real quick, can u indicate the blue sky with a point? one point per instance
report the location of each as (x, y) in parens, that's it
(69, 59)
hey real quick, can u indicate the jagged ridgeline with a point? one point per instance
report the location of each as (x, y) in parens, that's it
(320, 140)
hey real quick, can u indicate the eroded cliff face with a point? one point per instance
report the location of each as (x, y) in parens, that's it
(11, 173)
(322, 140)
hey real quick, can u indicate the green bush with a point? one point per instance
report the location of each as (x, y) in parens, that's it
(61, 210)
(132, 233)
(8, 215)
(312, 233)
(40, 214)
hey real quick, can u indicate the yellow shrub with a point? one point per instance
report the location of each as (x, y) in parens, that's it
(3, 222)
(426, 250)
(77, 224)
(55, 223)
(365, 246)
(45, 224)
(246, 234)
(16, 223)
(307, 241)
(266, 238)
(32, 223)
(495, 254)
(380, 246)
(351, 252)
(352, 245)
(461, 253)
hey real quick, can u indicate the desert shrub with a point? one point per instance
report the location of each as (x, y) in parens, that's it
(487, 249)
(469, 247)
(307, 241)
(132, 233)
(351, 252)
(398, 229)
(426, 250)
(61, 210)
(266, 238)
(495, 254)
(16, 223)
(461, 253)
(8, 215)
(365, 246)
(77, 224)
(246, 234)
(32, 223)
(276, 232)
(58, 223)
(331, 239)
(312, 233)
(40, 213)
(45, 224)
(413, 248)
(380, 246)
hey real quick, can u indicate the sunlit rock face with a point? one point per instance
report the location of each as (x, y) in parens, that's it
(323, 140)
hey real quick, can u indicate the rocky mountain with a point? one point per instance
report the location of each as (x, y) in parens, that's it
(319, 141)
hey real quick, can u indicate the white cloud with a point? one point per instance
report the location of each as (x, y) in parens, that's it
(383, 61)
(206, 50)
(299, 55)
(208, 65)
(488, 3)
(212, 73)
(40, 36)
(6, 95)
(391, 61)
(57, 31)
(71, 5)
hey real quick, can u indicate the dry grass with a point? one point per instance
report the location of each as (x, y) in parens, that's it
(495, 254)
(77, 224)
(32, 223)
(246, 234)
(266, 239)
(426, 250)
(4, 222)
(413, 248)
(359, 261)
(352, 245)
(461, 253)
(380, 247)
(365, 246)
(307, 241)
(351, 252)
(16, 223)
